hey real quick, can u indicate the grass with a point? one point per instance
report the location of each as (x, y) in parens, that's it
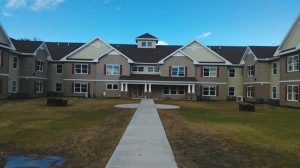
(272, 129)
(33, 127)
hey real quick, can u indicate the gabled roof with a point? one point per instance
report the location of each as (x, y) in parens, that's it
(146, 36)
(5, 40)
(58, 50)
(145, 55)
(26, 47)
(263, 52)
(291, 41)
(233, 54)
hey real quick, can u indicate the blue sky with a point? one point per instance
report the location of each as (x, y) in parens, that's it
(175, 22)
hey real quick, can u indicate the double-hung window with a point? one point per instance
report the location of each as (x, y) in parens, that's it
(274, 92)
(81, 68)
(112, 69)
(112, 86)
(153, 69)
(210, 71)
(231, 72)
(15, 62)
(178, 71)
(39, 87)
(274, 68)
(80, 87)
(59, 68)
(58, 87)
(14, 87)
(293, 93)
(209, 90)
(250, 70)
(39, 65)
(250, 91)
(293, 63)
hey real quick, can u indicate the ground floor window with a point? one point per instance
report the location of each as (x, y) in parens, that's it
(112, 86)
(14, 87)
(231, 91)
(39, 87)
(80, 87)
(250, 91)
(58, 87)
(209, 90)
(173, 90)
(293, 93)
(274, 92)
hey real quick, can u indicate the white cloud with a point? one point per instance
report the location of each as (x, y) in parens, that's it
(204, 35)
(35, 5)
(7, 14)
(160, 42)
(16, 3)
(45, 4)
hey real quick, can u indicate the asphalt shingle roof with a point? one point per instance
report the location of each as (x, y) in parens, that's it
(146, 35)
(232, 54)
(263, 52)
(59, 50)
(26, 46)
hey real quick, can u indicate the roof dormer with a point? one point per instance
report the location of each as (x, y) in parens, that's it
(146, 41)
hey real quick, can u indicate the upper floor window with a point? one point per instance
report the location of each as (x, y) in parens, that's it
(39, 65)
(293, 93)
(274, 68)
(231, 72)
(153, 69)
(112, 69)
(59, 68)
(1, 57)
(178, 71)
(149, 44)
(250, 91)
(137, 69)
(250, 70)
(39, 87)
(210, 71)
(81, 68)
(15, 62)
(293, 63)
(144, 43)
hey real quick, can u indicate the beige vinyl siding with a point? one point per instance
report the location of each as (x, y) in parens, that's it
(237, 81)
(178, 61)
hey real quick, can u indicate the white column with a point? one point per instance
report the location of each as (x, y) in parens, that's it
(149, 87)
(189, 88)
(193, 88)
(126, 87)
(145, 88)
(122, 87)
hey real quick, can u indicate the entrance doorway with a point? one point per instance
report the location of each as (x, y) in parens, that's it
(137, 91)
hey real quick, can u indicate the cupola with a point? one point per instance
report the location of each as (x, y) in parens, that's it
(146, 41)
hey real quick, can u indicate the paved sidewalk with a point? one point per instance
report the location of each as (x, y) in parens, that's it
(144, 143)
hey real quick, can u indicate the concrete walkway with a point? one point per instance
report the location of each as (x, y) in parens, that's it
(144, 143)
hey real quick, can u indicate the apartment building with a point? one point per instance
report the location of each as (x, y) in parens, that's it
(145, 69)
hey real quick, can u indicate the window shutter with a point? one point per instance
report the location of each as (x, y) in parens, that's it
(72, 68)
(35, 87)
(89, 87)
(286, 64)
(104, 69)
(170, 70)
(89, 69)
(36, 67)
(121, 70)
(1, 54)
(200, 90)
(218, 71)
(253, 92)
(44, 86)
(299, 64)
(286, 92)
(72, 87)
(201, 71)
(186, 71)
(299, 92)
(254, 70)
(0, 86)
(217, 90)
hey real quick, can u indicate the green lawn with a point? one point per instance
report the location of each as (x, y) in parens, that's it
(270, 128)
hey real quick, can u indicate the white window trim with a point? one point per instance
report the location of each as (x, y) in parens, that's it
(113, 65)
(177, 90)
(38, 84)
(234, 90)
(41, 67)
(229, 72)
(209, 72)
(137, 69)
(112, 84)
(87, 69)
(81, 83)
(274, 68)
(247, 91)
(274, 92)
(209, 90)
(62, 69)
(287, 91)
(248, 71)
(178, 71)
(288, 64)
(153, 69)
(56, 86)
(12, 89)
